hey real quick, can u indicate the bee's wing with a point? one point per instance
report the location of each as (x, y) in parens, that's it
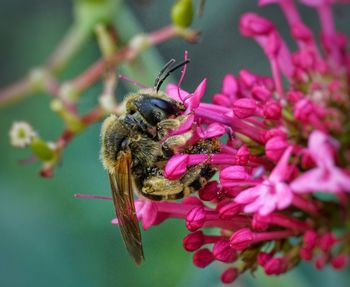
(123, 199)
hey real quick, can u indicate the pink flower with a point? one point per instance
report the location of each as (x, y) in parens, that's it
(273, 193)
(326, 176)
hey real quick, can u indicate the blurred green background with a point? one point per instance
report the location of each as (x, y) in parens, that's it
(49, 238)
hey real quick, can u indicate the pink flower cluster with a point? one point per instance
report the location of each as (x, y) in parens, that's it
(282, 191)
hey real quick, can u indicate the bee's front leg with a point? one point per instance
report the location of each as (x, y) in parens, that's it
(163, 127)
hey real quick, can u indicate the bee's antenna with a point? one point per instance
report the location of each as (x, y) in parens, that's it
(165, 72)
(166, 66)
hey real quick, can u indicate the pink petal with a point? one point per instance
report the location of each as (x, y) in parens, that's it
(310, 181)
(176, 166)
(192, 101)
(173, 92)
(284, 195)
(247, 195)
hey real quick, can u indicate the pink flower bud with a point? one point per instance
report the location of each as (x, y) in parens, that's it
(222, 100)
(339, 262)
(295, 96)
(301, 32)
(275, 147)
(229, 86)
(247, 78)
(229, 275)
(230, 210)
(242, 239)
(223, 252)
(258, 224)
(261, 93)
(306, 253)
(263, 258)
(209, 191)
(176, 166)
(193, 241)
(274, 44)
(242, 155)
(272, 110)
(202, 258)
(310, 239)
(234, 173)
(192, 102)
(244, 108)
(213, 130)
(326, 242)
(195, 218)
(320, 262)
(251, 24)
(276, 266)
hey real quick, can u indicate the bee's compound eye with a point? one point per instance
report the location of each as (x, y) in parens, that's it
(155, 109)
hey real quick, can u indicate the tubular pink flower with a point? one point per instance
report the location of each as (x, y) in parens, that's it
(244, 237)
(273, 193)
(310, 239)
(193, 241)
(229, 210)
(202, 258)
(276, 266)
(229, 275)
(326, 242)
(306, 253)
(195, 218)
(326, 177)
(210, 191)
(223, 252)
(272, 110)
(339, 262)
(275, 147)
(263, 258)
(261, 93)
(244, 108)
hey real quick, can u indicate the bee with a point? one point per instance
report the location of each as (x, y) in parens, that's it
(135, 149)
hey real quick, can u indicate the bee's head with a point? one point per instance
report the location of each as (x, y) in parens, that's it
(157, 107)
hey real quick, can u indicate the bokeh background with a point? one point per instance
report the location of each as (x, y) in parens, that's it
(49, 238)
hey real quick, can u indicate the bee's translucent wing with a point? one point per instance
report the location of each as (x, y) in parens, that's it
(123, 199)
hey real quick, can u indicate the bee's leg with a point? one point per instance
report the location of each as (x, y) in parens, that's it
(161, 188)
(175, 144)
(164, 126)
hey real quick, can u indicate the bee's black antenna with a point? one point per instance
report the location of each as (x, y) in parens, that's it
(166, 71)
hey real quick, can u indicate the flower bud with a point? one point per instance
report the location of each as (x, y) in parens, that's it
(261, 93)
(326, 242)
(176, 166)
(310, 239)
(230, 210)
(223, 252)
(202, 258)
(209, 191)
(229, 275)
(195, 218)
(244, 108)
(320, 262)
(306, 253)
(339, 262)
(263, 258)
(193, 241)
(275, 147)
(276, 266)
(272, 110)
(241, 239)
(252, 25)
(42, 150)
(182, 13)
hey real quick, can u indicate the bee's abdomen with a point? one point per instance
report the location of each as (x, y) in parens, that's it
(113, 134)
